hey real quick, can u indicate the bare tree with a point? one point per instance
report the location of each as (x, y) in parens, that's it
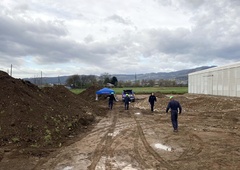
(105, 78)
(73, 81)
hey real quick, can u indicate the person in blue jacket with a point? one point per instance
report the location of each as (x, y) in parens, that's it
(111, 100)
(176, 109)
(127, 100)
(152, 99)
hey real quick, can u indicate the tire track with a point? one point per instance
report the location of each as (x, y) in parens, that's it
(108, 151)
(118, 140)
(192, 151)
(137, 155)
(104, 147)
(101, 147)
(150, 149)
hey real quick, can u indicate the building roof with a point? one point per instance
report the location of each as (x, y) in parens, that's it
(233, 65)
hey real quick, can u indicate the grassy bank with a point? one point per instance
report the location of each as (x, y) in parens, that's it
(146, 90)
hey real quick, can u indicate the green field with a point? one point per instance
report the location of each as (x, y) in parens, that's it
(146, 90)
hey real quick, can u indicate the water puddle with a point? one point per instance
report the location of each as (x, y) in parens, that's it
(163, 147)
(68, 168)
(129, 167)
(114, 133)
(115, 164)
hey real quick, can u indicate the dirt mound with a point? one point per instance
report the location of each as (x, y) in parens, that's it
(207, 103)
(194, 103)
(30, 116)
(90, 95)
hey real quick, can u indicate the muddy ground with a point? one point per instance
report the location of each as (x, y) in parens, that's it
(137, 139)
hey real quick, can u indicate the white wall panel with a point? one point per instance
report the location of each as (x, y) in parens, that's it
(224, 81)
(238, 80)
(232, 82)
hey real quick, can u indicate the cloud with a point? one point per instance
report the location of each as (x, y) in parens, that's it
(94, 37)
(118, 19)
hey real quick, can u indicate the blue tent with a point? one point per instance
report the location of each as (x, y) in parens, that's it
(104, 91)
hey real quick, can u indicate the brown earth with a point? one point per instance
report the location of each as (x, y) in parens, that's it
(52, 128)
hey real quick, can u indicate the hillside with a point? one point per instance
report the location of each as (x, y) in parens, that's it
(180, 76)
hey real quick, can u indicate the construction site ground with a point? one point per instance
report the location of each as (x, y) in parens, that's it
(118, 139)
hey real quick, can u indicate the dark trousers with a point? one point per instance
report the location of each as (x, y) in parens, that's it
(152, 106)
(174, 118)
(126, 106)
(110, 104)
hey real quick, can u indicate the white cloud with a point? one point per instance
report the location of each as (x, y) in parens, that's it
(93, 37)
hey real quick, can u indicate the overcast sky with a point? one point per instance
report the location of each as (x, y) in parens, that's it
(66, 37)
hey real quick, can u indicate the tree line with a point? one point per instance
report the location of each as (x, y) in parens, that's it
(85, 81)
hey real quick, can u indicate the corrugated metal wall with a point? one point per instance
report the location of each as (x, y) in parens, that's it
(223, 81)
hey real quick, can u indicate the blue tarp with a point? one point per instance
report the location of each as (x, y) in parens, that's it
(105, 91)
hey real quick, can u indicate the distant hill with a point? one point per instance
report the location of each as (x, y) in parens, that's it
(180, 76)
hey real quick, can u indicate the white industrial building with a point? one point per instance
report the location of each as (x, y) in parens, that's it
(223, 81)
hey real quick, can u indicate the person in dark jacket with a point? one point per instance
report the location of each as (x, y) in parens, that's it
(152, 99)
(111, 100)
(175, 110)
(127, 100)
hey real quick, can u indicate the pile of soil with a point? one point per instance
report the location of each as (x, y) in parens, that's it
(30, 116)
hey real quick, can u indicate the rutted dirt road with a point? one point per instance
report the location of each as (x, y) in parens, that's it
(137, 139)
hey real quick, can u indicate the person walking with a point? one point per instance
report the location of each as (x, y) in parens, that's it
(152, 99)
(176, 109)
(111, 100)
(127, 100)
